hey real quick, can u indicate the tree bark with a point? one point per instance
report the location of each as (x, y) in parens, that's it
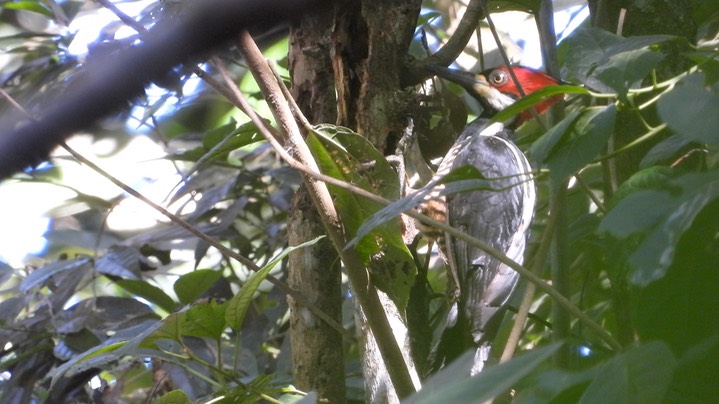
(371, 46)
(317, 349)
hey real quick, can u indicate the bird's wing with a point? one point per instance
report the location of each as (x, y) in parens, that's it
(500, 217)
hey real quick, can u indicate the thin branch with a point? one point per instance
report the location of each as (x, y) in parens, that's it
(585, 187)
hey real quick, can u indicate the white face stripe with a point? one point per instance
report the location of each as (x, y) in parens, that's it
(496, 99)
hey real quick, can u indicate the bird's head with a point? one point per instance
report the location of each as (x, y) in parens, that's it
(495, 89)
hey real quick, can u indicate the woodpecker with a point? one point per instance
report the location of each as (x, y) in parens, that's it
(499, 216)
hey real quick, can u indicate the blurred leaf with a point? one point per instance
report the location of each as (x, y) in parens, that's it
(6, 272)
(33, 6)
(528, 6)
(587, 138)
(663, 216)
(627, 69)
(664, 150)
(608, 62)
(204, 320)
(120, 261)
(125, 341)
(347, 156)
(151, 293)
(632, 214)
(39, 276)
(453, 384)
(174, 397)
(237, 307)
(641, 374)
(652, 178)
(535, 98)
(192, 285)
(548, 143)
(691, 110)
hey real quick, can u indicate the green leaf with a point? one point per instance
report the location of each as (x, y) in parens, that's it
(528, 6)
(633, 214)
(545, 145)
(237, 307)
(345, 155)
(656, 252)
(33, 6)
(174, 397)
(453, 384)
(193, 284)
(641, 374)
(627, 69)
(147, 291)
(536, 97)
(39, 276)
(587, 138)
(662, 216)
(204, 320)
(652, 178)
(575, 141)
(664, 150)
(608, 62)
(692, 110)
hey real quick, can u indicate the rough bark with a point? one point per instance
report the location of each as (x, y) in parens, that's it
(317, 349)
(371, 43)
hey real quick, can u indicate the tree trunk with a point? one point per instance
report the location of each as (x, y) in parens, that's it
(317, 349)
(371, 45)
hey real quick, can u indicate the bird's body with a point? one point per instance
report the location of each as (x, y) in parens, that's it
(499, 215)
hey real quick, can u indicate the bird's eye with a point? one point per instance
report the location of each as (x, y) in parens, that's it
(498, 77)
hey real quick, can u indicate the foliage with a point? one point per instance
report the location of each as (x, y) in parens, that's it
(158, 314)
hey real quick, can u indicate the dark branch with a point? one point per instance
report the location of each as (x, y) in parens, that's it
(107, 85)
(452, 49)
